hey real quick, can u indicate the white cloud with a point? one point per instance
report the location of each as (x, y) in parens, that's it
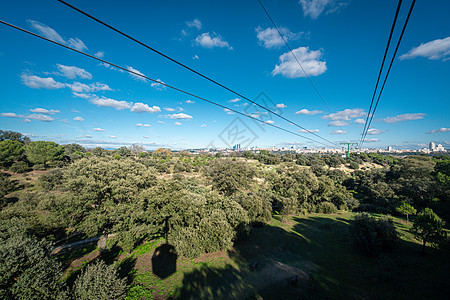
(203, 125)
(158, 86)
(77, 44)
(98, 129)
(371, 140)
(308, 112)
(143, 125)
(270, 38)
(78, 87)
(443, 129)
(161, 122)
(73, 72)
(346, 115)
(338, 132)
(82, 95)
(112, 136)
(360, 121)
(10, 115)
(437, 49)
(235, 100)
(40, 117)
(213, 40)
(107, 102)
(169, 109)
(79, 119)
(404, 117)
(289, 67)
(337, 123)
(194, 23)
(51, 34)
(182, 116)
(308, 131)
(190, 102)
(36, 82)
(135, 76)
(177, 123)
(374, 131)
(269, 122)
(46, 31)
(26, 121)
(281, 105)
(44, 111)
(141, 107)
(314, 8)
(195, 57)
(100, 54)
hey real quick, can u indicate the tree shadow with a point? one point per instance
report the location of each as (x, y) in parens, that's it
(164, 261)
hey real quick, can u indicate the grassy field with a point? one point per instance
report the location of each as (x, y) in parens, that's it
(317, 248)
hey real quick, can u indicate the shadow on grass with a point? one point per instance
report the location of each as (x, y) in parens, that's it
(164, 261)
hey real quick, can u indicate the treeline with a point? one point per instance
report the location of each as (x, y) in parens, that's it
(198, 203)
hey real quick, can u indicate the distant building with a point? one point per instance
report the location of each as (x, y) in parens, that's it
(389, 149)
(432, 146)
(439, 148)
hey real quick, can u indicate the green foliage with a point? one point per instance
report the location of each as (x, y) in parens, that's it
(27, 270)
(326, 208)
(429, 228)
(354, 165)
(52, 179)
(99, 281)
(406, 209)
(372, 236)
(14, 136)
(19, 167)
(10, 152)
(229, 176)
(42, 152)
(6, 184)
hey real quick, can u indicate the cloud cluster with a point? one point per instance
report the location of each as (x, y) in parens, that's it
(309, 130)
(51, 34)
(36, 82)
(404, 117)
(211, 40)
(45, 111)
(28, 118)
(135, 76)
(346, 114)
(309, 60)
(308, 112)
(158, 86)
(270, 38)
(434, 50)
(443, 129)
(338, 132)
(180, 116)
(374, 131)
(314, 8)
(73, 72)
(194, 23)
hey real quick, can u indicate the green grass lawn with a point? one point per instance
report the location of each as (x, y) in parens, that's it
(318, 244)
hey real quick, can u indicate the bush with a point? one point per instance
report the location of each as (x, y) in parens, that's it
(20, 167)
(52, 179)
(354, 165)
(326, 208)
(371, 235)
(99, 281)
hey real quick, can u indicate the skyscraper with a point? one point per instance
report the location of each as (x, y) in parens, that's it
(432, 146)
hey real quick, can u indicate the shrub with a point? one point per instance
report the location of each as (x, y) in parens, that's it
(354, 165)
(326, 208)
(99, 281)
(52, 179)
(371, 235)
(20, 167)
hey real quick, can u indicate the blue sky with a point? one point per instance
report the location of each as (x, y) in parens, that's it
(51, 93)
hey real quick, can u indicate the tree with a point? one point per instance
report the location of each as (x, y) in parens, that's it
(99, 281)
(429, 228)
(27, 269)
(136, 149)
(372, 235)
(10, 152)
(14, 136)
(42, 152)
(406, 209)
